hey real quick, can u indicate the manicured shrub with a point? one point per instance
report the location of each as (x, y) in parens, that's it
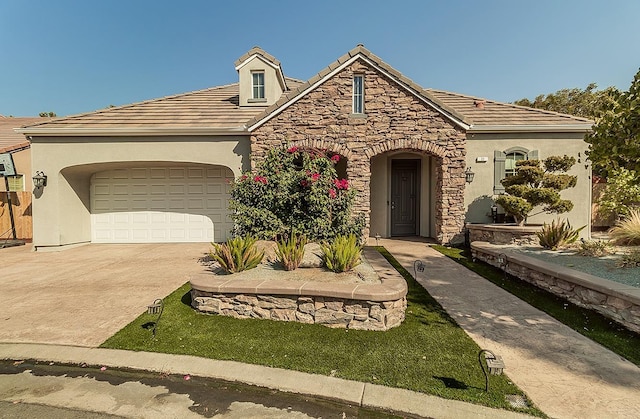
(622, 193)
(295, 190)
(237, 254)
(342, 254)
(538, 183)
(627, 231)
(290, 251)
(556, 235)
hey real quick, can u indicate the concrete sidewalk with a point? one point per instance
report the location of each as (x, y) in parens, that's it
(346, 391)
(564, 373)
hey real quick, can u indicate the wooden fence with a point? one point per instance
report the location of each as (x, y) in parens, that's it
(21, 205)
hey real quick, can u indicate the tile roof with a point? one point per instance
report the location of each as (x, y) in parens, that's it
(11, 140)
(216, 109)
(484, 112)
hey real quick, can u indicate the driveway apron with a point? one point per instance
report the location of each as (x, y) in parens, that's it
(83, 295)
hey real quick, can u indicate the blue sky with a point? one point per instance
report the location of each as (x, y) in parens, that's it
(71, 56)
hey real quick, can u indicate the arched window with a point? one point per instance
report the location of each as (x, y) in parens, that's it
(505, 164)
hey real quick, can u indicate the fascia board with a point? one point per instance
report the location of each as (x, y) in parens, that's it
(583, 128)
(172, 131)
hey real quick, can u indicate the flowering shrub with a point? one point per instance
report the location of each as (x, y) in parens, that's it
(294, 190)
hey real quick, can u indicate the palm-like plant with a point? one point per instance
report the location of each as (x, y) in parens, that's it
(237, 254)
(556, 235)
(342, 254)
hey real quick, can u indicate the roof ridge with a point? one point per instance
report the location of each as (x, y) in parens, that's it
(128, 105)
(526, 108)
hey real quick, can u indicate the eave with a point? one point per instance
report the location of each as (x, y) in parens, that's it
(134, 132)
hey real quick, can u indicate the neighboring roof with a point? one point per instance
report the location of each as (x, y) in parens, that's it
(216, 110)
(11, 140)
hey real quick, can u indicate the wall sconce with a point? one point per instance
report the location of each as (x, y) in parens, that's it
(468, 175)
(39, 180)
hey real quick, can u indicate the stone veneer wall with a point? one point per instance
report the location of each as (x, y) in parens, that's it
(581, 289)
(503, 234)
(328, 311)
(395, 120)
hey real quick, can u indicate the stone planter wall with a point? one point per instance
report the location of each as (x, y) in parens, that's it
(618, 302)
(503, 233)
(331, 312)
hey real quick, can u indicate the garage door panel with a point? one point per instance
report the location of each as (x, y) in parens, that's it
(179, 204)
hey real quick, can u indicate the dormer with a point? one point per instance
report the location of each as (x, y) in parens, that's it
(261, 78)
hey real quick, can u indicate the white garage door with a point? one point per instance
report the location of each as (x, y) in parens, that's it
(160, 205)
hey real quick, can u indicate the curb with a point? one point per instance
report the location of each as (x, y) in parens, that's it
(347, 391)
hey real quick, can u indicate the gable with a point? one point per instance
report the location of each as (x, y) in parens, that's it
(358, 54)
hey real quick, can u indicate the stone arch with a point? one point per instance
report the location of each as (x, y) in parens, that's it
(406, 144)
(330, 145)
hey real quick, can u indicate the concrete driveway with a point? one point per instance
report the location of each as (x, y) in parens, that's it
(82, 296)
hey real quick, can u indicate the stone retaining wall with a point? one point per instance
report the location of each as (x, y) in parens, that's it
(331, 312)
(616, 301)
(503, 233)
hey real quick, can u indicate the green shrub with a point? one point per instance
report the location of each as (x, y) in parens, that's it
(556, 235)
(537, 183)
(630, 259)
(290, 251)
(342, 254)
(622, 193)
(627, 231)
(295, 189)
(595, 248)
(237, 254)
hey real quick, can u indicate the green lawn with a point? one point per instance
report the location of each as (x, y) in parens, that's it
(586, 322)
(429, 352)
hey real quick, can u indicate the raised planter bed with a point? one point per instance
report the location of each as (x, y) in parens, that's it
(503, 233)
(374, 305)
(619, 302)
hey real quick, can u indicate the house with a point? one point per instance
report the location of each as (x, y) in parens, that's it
(15, 176)
(159, 170)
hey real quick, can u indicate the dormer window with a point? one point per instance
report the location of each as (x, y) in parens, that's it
(258, 85)
(358, 94)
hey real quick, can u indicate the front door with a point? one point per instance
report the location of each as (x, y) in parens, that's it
(404, 197)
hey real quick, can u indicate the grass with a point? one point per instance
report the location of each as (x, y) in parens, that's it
(589, 323)
(428, 353)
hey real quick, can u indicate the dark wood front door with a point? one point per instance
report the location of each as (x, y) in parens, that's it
(404, 197)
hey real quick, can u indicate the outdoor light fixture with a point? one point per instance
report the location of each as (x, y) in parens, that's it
(377, 236)
(468, 175)
(418, 266)
(39, 180)
(495, 364)
(155, 309)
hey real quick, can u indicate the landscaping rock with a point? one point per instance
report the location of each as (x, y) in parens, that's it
(312, 256)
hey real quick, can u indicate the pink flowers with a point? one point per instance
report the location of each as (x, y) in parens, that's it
(260, 179)
(304, 183)
(315, 177)
(292, 149)
(335, 158)
(341, 184)
(332, 193)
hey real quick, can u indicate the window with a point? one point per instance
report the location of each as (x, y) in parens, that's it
(16, 183)
(505, 164)
(358, 94)
(258, 84)
(510, 162)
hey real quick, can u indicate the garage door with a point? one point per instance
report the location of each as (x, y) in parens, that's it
(160, 205)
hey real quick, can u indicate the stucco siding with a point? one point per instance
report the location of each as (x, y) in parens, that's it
(479, 193)
(62, 209)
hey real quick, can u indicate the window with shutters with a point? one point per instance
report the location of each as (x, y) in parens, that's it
(505, 164)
